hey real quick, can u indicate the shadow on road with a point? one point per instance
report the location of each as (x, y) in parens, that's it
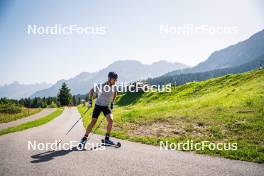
(49, 155)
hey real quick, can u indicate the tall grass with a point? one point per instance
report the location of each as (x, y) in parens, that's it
(25, 112)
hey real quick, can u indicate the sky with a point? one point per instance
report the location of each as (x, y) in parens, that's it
(132, 29)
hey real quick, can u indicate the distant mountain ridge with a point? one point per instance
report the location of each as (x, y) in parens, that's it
(16, 90)
(128, 70)
(234, 55)
(200, 76)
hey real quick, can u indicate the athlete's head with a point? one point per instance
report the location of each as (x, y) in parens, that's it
(112, 78)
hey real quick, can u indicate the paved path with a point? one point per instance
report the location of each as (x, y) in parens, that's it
(38, 115)
(130, 159)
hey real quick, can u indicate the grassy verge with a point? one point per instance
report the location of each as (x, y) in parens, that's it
(5, 117)
(34, 123)
(228, 109)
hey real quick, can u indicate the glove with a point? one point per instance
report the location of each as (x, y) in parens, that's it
(90, 103)
(112, 105)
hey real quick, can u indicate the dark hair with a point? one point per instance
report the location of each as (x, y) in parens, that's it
(112, 75)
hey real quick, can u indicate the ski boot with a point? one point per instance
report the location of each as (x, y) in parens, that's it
(82, 143)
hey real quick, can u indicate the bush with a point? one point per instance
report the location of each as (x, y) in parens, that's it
(10, 108)
(52, 105)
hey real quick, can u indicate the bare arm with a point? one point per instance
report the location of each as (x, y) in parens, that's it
(91, 93)
(114, 96)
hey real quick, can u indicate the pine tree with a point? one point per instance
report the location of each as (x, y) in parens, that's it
(74, 101)
(64, 96)
(79, 100)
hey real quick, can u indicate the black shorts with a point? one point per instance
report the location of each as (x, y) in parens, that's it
(98, 109)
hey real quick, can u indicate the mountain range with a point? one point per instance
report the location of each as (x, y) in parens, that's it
(231, 56)
(242, 54)
(16, 90)
(128, 70)
(234, 55)
(183, 78)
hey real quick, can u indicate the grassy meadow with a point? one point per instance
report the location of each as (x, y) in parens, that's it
(225, 109)
(25, 112)
(33, 123)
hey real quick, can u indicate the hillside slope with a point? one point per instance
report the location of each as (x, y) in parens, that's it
(228, 109)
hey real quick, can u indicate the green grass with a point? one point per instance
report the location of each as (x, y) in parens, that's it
(25, 112)
(34, 123)
(225, 109)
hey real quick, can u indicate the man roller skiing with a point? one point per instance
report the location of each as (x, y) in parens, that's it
(104, 103)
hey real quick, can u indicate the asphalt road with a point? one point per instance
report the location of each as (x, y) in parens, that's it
(130, 159)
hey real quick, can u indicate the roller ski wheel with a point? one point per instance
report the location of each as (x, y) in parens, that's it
(111, 143)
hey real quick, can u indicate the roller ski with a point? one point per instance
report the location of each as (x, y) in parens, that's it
(108, 142)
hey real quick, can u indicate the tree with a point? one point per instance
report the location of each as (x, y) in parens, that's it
(22, 102)
(79, 100)
(64, 96)
(74, 101)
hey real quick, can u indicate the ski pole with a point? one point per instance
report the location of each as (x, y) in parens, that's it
(72, 126)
